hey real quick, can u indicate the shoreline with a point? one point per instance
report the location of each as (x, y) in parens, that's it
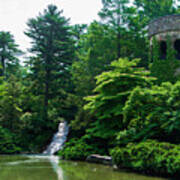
(118, 169)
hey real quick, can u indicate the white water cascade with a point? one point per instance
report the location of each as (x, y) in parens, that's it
(58, 139)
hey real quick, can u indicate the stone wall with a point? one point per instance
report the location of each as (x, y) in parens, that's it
(173, 35)
(164, 24)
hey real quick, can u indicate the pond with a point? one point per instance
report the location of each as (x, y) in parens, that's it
(50, 168)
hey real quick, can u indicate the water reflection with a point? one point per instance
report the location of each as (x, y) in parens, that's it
(55, 164)
(26, 168)
(50, 168)
(86, 171)
(54, 161)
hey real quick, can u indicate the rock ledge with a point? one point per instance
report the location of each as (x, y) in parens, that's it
(96, 158)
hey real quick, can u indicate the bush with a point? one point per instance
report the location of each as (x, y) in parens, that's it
(152, 114)
(166, 70)
(150, 157)
(7, 144)
(76, 150)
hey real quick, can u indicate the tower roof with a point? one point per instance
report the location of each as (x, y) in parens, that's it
(164, 24)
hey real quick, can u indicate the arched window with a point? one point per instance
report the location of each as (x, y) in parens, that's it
(177, 48)
(163, 49)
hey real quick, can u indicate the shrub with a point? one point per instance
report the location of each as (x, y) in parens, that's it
(76, 149)
(7, 144)
(151, 157)
(152, 114)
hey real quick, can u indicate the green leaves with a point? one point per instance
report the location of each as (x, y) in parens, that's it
(167, 69)
(111, 93)
(78, 149)
(154, 112)
(113, 88)
(10, 104)
(8, 53)
(154, 9)
(150, 157)
(53, 47)
(7, 144)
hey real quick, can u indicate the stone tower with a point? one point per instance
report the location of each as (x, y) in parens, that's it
(163, 27)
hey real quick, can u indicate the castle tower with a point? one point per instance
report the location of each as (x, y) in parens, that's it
(163, 27)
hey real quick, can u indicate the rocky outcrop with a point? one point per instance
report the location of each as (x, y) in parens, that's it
(96, 158)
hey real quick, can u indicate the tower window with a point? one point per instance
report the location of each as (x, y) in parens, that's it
(177, 48)
(163, 50)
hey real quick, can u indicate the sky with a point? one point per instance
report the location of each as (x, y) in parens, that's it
(14, 14)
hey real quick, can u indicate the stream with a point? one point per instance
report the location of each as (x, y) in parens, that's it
(39, 167)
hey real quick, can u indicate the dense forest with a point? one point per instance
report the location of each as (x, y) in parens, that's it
(101, 80)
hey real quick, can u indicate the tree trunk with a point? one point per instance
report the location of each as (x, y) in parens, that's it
(48, 61)
(118, 44)
(118, 32)
(3, 65)
(46, 97)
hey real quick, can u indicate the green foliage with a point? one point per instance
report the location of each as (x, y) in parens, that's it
(115, 13)
(10, 104)
(76, 149)
(8, 52)
(7, 142)
(124, 109)
(54, 49)
(166, 69)
(152, 113)
(130, 36)
(151, 157)
(33, 99)
(92, 60)
(113, 88)
(80, 148)
(155, 9)
(111, 93)
(17, 116)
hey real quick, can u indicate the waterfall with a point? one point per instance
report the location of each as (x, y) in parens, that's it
(58, 139)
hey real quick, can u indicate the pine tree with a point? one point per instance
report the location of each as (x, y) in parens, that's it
(53, 48)
(8, 52)
(154, 9)
(113, 13)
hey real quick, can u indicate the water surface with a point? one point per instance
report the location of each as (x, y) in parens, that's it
(49, 168)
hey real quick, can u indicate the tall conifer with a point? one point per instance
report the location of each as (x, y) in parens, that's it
(53, 48)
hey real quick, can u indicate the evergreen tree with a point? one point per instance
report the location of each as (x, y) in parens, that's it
(114, 12)
(8, 52)
(94, 55)
(10, 104)
(78, 31)
(154, 9)
(53, 47)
